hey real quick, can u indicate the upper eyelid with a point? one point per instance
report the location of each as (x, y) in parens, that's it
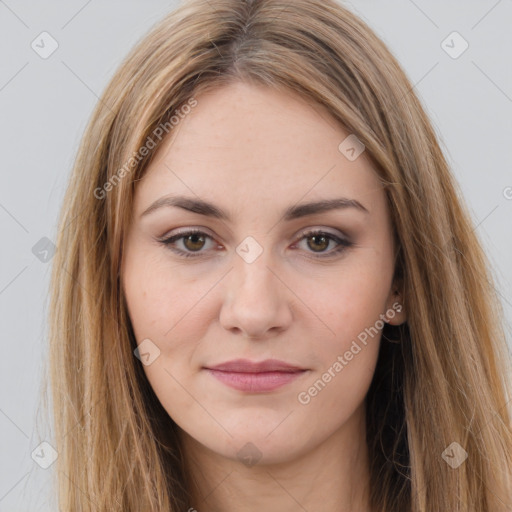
(300, 233)
(310, 231)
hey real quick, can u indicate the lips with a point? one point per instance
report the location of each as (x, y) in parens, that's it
(246, 366)
(255, 377)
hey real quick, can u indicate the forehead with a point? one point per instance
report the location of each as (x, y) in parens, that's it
(253, 143)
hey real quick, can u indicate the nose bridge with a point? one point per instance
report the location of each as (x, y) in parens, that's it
(251, 274)
(254, 300)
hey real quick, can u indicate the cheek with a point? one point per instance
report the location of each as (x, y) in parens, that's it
(170, 308)
(160, 299)
(348, 357)
(161, 309)
(348, 304)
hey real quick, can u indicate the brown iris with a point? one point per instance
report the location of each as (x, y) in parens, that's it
(321, 240)
(194, 241)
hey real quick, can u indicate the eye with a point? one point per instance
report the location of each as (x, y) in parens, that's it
(319, 241)
(192, 241)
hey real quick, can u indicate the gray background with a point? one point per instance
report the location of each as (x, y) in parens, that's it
(45, 104)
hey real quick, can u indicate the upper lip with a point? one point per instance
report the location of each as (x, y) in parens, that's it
(247, 366)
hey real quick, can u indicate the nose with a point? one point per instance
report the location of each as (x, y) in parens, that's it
(256, 302)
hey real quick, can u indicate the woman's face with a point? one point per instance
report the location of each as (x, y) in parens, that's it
(257, 173)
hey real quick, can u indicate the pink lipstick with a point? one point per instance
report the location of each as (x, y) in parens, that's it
(255, 377)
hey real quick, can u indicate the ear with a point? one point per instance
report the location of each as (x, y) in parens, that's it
(395, 309)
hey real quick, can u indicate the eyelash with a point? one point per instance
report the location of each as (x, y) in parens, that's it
(342, 243)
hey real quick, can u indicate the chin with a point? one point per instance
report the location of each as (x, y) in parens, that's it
(257, 447)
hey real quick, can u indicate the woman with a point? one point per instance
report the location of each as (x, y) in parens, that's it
(267, 293)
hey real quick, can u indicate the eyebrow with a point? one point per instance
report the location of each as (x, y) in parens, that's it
(202, 207)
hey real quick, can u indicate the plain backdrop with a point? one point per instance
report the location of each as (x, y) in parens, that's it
(45, 104)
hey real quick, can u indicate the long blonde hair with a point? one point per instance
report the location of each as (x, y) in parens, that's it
(446, 379)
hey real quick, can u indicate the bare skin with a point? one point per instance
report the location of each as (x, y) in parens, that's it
(285, 294)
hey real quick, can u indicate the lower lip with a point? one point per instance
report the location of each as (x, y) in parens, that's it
(255, 382)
